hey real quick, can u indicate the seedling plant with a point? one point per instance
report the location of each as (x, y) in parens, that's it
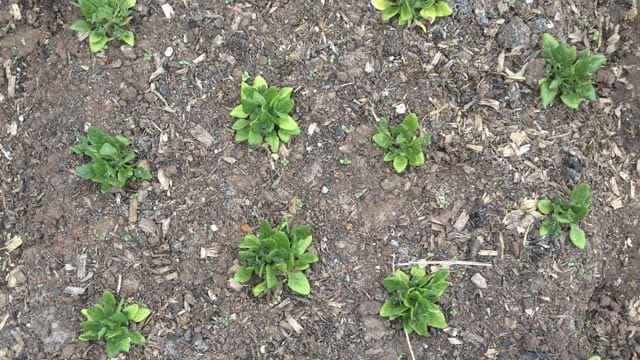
(111, 323)
(402, 146)
(276, 252)
(562, 213)
(412, 10)
(566, 75)
(263, 114)
(414, 299)
(111, 165)
(104, 20)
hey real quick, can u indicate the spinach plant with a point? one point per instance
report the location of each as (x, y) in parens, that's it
(104, 21)
(263, 114)
(566, 75)
(111, 165)
(562, 212)
(412, 10)
(414, 299)
(281, 250)
(403, 148)
(110, 322)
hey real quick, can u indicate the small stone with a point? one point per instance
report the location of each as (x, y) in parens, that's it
(368, 68)
(514, 33)
(218, 21)
(539, 26)
(401, 108)
(16, 278)
(142, 9)
(168, 51)
(128, 52)
(164, 90)
(479, 281)
(325, 190)
(340, 135)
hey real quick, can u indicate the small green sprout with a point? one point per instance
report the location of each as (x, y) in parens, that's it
(263, 114)
(566, 75)
(403, 148)
(104, 21)
(106, 321)
(281, 250)
(111, 164)
(412, 10)
(414, 300)
(562, 212)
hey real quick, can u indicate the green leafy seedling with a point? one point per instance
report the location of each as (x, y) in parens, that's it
(111, 323)
(276, 251)
(566, 75)
(104, 20)
(414, 299)
(412, 10)
(111, 165)
(263, 114)
(403, 148)
(569, 213)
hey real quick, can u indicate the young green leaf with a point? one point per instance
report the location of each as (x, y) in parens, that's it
(403, 148)
(577, 236)
(104, 20)
(412, 10)
(560, 212)
(298, 282)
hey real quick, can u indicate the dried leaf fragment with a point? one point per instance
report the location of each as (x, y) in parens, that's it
(13, 244)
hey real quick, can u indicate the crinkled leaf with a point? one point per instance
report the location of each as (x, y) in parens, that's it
(546, 93)
(389, 12)
(244, 274)
(81, 26)
(381, 140)
(272, 281)
(141, 314)
(259, 82)
(298, 282)
(259, 289)
(429, 14)
(381, 4)
(273, 140)
(571, 99)
(545, 206)
(434, 316)
(410, 122)
(400, 163)
(97, 41)
(442, 9)
(577, 236)
(238, 112)
(136, 338)
(128, 38)
(390, 310)
(406, 13)
(113, 348)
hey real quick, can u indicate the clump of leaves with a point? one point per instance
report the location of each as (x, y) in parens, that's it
(110, 322)
(104, 21)
(566, 75)
(403, 148)
(414, 300)
(562, 212)
(263, 114)
(111, 165)
(412, 10)
(277, 251)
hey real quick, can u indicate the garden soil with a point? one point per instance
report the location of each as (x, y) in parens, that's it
(171, 243)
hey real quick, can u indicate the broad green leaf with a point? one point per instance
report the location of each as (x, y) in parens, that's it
(108, 150)
(581, 195)
(298, 282)
(81, 26)
(88, 336)
(587, 91)
(240, 123)
(549, 42)
(400, 163)
(546, 93)
(128, 4)
(420, 325)
(545, 206)
(113, 348)
(381, 140)
(131, 310)
(389, 156)
(244, 274)
(391, 310)
(85, 171)
(287, 124)
(440, 276)
(108, 301)
(307, 259)
(128, 38)
(258, 289)
(571, 99)
(442, 9)
(254, 138)
(389, 12)
(420, 25)
(125, 344)
(595, 62)
(417, 271)
(241, 135)
(434, 316)
(136, 338)
(273, 140)
(381, 4)
(406, 13)
(141, 314)
(97, 41)
(392, 284)
(417, 159)
(272, 281)
(303, 244)
(410, 122)
(259, 82)
(429, 14)
(577, 236)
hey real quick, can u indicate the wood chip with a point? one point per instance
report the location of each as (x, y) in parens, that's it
(133, 211)
(487, 253)
(294, 324)
(148, 226)
(15, 278)
(164, 179)
(235, 285)
(14, 9)
(202, 135)
(462, 220)
(455, 341)
(167, 10)
(74, 290)
(476, 148)
(11, 80)
(208, 252)
(13, 244)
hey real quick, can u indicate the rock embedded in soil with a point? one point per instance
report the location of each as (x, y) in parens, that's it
(479, 281)
(514, 33)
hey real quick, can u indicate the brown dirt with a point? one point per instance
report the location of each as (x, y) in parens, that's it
(544, 300)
